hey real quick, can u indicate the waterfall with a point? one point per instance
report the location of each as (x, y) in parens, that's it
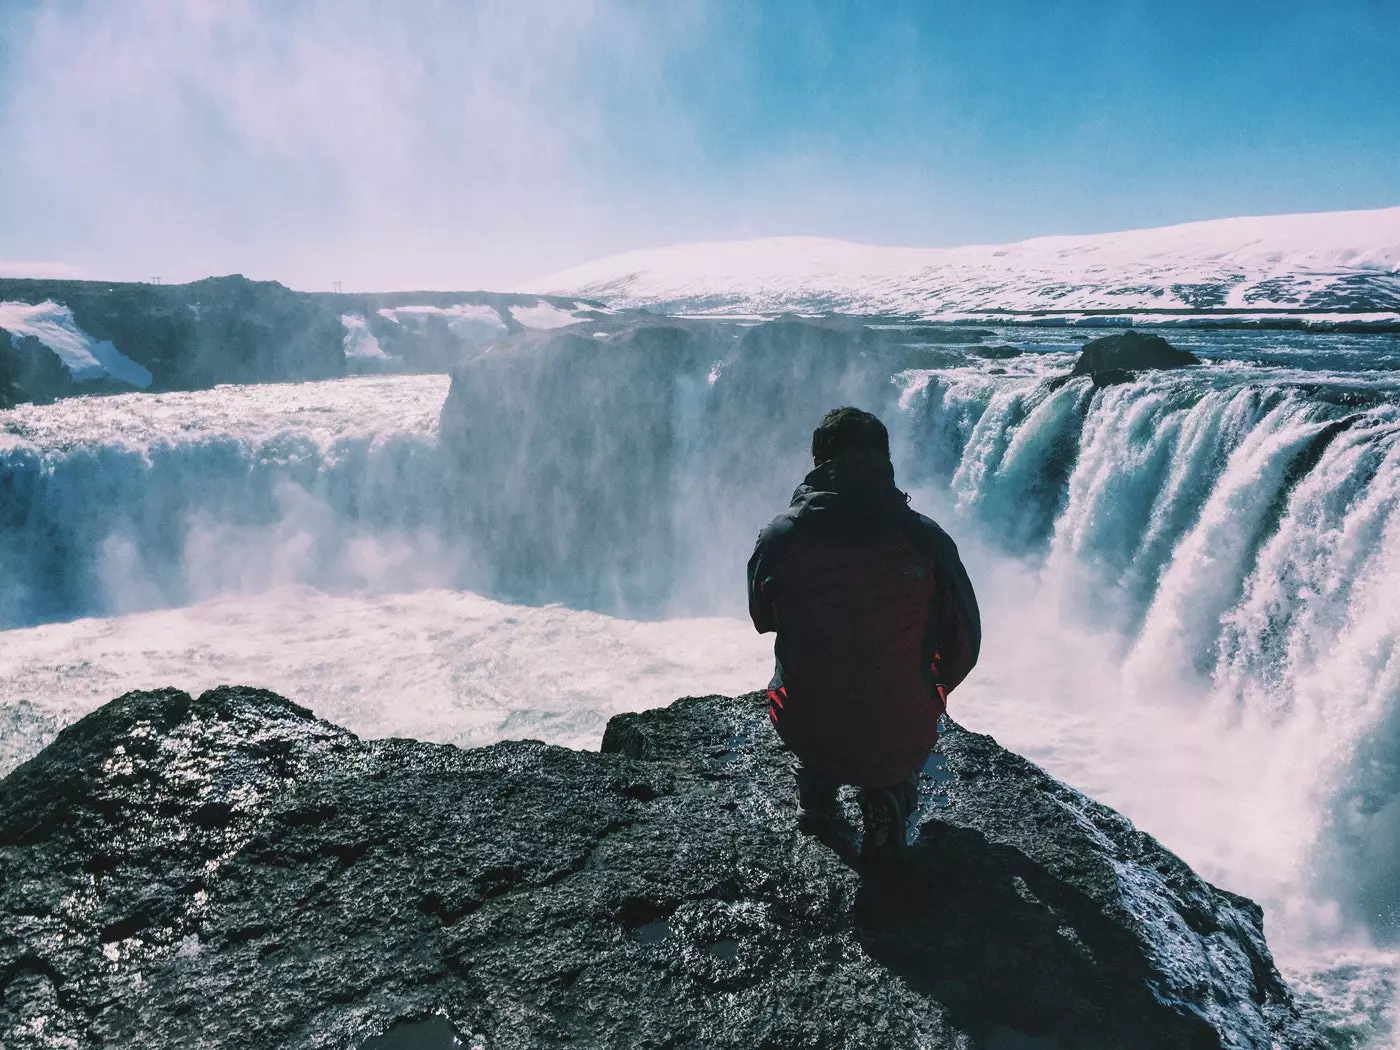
(1234, 542)
(113, 505)
(1189, 577)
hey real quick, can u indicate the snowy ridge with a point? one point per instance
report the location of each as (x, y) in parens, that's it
(359, 341)
(1321, 262)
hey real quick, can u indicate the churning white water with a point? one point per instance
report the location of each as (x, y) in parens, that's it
(1189, 583)
(440, 665)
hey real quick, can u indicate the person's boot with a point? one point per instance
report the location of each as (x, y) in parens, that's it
(885, 813)
(817, 802)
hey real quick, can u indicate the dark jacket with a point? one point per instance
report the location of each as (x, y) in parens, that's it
(876, 622)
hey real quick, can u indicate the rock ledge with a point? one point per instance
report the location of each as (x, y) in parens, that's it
(229, 871)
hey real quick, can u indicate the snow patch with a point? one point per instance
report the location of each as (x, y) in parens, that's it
(359, 341)
(543, 315)
(85, 358)
(473, 322)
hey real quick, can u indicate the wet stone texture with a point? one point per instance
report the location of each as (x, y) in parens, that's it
(1115, 358)
(229, 871)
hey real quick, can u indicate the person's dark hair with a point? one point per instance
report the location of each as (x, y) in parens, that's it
(845, 429)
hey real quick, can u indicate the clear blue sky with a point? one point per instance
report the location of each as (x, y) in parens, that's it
(476, 145)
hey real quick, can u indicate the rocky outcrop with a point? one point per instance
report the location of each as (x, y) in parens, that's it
(229, 871)
(10, 390)
(1130, 351)
(189, 336)
(30, 371)
(233, 330)
(1003, 352)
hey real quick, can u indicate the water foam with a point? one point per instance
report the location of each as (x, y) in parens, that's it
(446, 666)
(1207, 637)
(124, 503)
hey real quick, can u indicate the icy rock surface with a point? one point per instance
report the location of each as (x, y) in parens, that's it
(230, 871)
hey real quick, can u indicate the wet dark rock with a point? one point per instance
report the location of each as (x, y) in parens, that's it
(229, 871)
(1203, 295)
(10, 391)
(1127, 352)
(30, 371)
(1001, 352)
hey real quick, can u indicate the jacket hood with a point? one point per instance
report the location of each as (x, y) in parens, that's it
(852, 494)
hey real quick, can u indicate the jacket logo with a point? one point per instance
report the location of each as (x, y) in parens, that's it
(914, 571)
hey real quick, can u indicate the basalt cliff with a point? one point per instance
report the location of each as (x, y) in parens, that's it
(229, 871)
(67, 338)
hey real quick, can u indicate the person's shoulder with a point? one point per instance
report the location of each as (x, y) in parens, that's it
(778, 529)
(931, 535)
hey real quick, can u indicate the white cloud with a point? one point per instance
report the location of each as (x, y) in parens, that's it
(425, 142)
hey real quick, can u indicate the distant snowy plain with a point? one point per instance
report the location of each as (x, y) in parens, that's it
(1324, 263)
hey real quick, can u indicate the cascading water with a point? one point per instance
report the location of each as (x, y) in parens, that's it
(118, 504)
(1210, 606)
(1189, 579)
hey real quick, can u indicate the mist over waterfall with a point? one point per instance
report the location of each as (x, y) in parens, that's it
(1188, 575)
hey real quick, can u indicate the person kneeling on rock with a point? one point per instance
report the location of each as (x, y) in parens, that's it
(876, 623)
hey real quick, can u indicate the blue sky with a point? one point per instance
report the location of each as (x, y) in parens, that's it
(458, 144)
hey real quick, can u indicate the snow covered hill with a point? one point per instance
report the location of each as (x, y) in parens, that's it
(1328, 262)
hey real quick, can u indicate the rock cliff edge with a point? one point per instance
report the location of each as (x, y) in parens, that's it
(229, 871)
